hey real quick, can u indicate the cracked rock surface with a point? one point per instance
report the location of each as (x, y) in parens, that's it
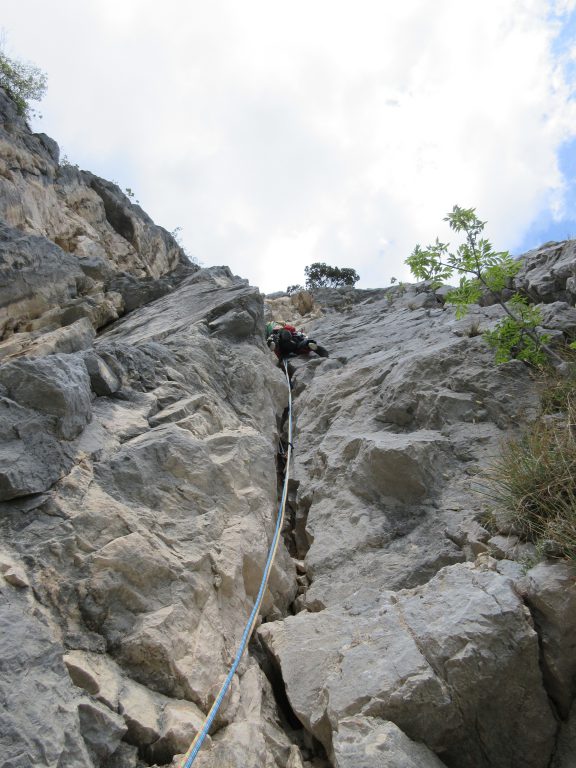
(146, 544)
(140, 421)
(398, 618)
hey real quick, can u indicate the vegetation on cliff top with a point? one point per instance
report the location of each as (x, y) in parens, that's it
(23, 82)
(320, 275)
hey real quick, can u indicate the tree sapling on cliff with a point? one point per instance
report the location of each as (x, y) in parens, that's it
(481, 269)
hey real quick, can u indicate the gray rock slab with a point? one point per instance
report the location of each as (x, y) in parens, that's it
(39, 722)
(425, 659)
(32, 457)
(57, 386)
(101, 728)
(103, 380)
(44, 404)
(565, 755)
(550, 591)
(365, 742)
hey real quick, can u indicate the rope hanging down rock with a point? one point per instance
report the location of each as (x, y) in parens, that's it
(190, 756)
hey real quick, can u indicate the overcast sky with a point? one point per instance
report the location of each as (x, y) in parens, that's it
(279, 134)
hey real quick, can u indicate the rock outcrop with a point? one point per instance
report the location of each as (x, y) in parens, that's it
(72, 245)
(141, 415)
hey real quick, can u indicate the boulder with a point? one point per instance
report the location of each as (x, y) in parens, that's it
(101, 729)
(44, 404)
(549, 590)
(559, 316)
(57, 387)
(547, 273)
(103, 380)
(424, 660)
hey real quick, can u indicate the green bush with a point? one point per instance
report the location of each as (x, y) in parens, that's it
(23, 82)
(513, 337)
(320, 275)
(481, 268)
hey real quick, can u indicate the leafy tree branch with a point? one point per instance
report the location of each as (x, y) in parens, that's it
(481, 268)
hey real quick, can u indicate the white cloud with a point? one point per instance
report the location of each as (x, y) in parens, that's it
(278, 134)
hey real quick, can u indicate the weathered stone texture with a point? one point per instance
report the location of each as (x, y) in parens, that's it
(150, 549)
(139, 486)
(549, 590)
(425, 659)
(366, 742)
(66, 236)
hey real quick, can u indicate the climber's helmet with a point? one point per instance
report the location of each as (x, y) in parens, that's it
(272, 326)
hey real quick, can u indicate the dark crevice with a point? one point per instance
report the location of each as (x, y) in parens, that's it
(271, 669)
(546, 682)
(292, 533)
(547, 679)
(310, 748)
(296, 513)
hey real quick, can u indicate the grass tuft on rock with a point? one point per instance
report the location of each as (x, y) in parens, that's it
(533, 482)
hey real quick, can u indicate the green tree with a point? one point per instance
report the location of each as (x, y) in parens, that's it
(23, 82)
(481, 268)
(319, 275)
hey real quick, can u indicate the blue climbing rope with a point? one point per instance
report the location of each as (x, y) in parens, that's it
(196, 745)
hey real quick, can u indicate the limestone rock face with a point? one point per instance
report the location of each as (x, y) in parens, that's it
(147, 478)
(390, 432)
(142, 441)
(409, 407)
(366, 742)
(427, 665)
(550, 592)
(548, 273)
(68, 239)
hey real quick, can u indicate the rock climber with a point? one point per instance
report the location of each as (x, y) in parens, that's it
(285, 340)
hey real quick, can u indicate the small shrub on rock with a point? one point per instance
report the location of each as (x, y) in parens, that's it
(482, 269)
(534, 480)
